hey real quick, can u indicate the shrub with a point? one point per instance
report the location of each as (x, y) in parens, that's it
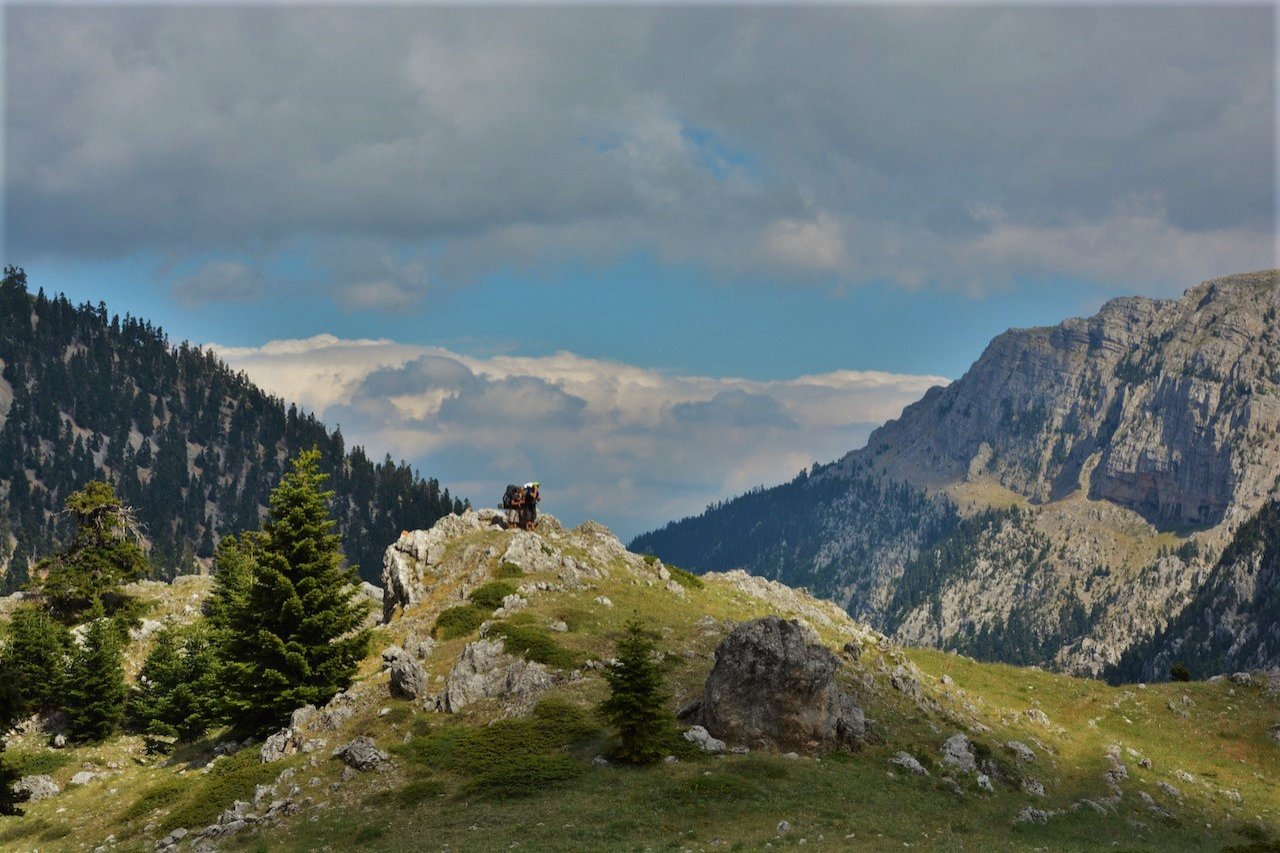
(525, 775)
(36, 763)
(535, 643)
(489, 597)
(160, 795)
(419, 791)
(650, 559)
(458, 621)
(688, 580)
(230, 779)
(1179, 672)
(508, 570)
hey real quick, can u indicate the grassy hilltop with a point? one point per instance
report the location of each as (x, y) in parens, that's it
(1201, 764)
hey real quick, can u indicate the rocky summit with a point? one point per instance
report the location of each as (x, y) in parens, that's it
(1057, 505)
(472, 724)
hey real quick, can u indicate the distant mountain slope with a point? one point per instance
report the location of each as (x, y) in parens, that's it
(1136, 441)
(1233, 622)
(193, 446)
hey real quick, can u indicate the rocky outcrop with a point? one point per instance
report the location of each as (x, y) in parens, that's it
(362, 754)
(37, 788)
(773, 688)
(413, 564)
(485, 671)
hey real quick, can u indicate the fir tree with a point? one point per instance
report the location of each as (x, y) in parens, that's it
(95, 694)
(636, 707)
(37, 658)
(177, 695)
(296, 638)
(9, 714)
(104, 554)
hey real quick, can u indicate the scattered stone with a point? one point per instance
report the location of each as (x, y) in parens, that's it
(278, 746)
(600, 761)
(1244, 679)
(84, 777)
(1034, 787)
(670, 759)
(485, 670)
(904, 681)
(391, 654)
(559, 626)
(783, 827)
(39, 787)
(791, 756)
(1021, 750)
(1275, 733)
(603, 601)
(984, 782)
(362, 754)
(908, 762)
(1032, 815)
(946, 681)
(958, 752)
(382, 712)
(1233, 795)
(228, 747)
(1171, 790)
(704, 741)
(1037, 716)
(1144, 763)
(739, 750)
(772, 688)
(408, 678)
(852, 650)
(59, 741)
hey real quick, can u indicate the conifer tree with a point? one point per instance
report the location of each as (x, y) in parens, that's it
(95, 694)
(636, 707)
(296, 638)
(104, 554)
(9, 713)
(177, 695)
(37, 657)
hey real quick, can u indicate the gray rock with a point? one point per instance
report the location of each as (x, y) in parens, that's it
(485, 671)
(783, 827)
(408, 679)
(362, 754)
(1037, 716)
(1021, 750)
(984, 782)
(1244, 679)
(603, 601)
(1034, 787)
(559, 626)
(909, 763)
(1171, 790)
(278, 746)
(84, 777)
(958, 752)
(704, 741)
(37, 788)
(1032, 815)
(770, 687)
(1275, 732)
(391, 654)
(59, 741)
(228, 747)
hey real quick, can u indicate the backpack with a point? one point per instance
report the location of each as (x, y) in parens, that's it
(513, 498)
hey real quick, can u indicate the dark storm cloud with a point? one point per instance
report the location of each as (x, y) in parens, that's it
(915, 144)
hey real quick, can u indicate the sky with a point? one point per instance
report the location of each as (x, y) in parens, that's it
(650, 256)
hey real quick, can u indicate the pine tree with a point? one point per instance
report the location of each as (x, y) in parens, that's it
(10, 712)
(104, 554)
(95, 694)
(296, 638)
(177, 695)
(636, 707)
(37, 657)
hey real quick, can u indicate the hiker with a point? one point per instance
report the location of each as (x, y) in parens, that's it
(523, 500)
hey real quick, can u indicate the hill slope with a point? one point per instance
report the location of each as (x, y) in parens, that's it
(193, 446)
(1064, 763)
(1137, 441)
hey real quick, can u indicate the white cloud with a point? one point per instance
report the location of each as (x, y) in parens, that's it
(631, 446)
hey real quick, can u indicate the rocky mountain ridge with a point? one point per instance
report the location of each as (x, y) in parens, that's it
(1136, 443)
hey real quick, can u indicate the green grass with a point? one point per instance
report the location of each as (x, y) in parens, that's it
(489, 596)
(535, 643)
(35, 762)
(508, 570)
(232, 778)
(686, 579)
(458, 621)
(159, 796)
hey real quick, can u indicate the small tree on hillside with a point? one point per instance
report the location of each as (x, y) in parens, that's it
(177, 697)
(296, 638)
(9, 713)
(636, 707)
(105, 554)
(37, 657)
(95, 694)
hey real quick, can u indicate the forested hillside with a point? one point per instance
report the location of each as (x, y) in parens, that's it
(193, 446)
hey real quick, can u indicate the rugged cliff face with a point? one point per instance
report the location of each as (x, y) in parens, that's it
(1135, 442)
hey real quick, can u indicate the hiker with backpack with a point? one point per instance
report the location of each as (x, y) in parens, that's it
(523, 500)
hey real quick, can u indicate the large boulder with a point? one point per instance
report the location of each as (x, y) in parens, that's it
(484, 670)
(37, 787)
(408, 679)
(772, 688)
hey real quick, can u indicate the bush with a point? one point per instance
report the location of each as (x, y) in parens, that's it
(230, 779)
(525, 775)
(419, 791)
(489, 597)
(508, 570)
(535, 643)
(1179, 672)
(36, 763)
(688, 580)
(458, 621)
(158, 796)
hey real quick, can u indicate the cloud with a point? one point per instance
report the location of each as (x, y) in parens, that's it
(220, 281)
(847, 143)
(630, 446)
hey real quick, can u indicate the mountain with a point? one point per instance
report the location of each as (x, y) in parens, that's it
(484, 737)
(1055, 505)
(193, 446)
